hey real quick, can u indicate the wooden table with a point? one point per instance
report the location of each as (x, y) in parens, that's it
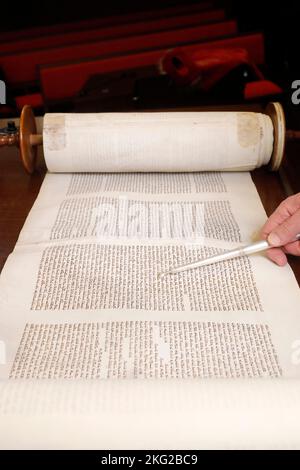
(18, 191)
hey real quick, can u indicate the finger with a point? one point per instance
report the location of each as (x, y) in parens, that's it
(286, 231)
(277, 256)
(287, 208)
(292, 248)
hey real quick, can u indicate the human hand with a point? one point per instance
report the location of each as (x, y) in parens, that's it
(281, 228)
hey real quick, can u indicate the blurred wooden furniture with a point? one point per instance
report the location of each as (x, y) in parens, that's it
(63, 80)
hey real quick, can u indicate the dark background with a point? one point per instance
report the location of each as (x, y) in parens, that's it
(280, 21)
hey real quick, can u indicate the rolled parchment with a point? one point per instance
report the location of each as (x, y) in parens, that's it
(157, 142)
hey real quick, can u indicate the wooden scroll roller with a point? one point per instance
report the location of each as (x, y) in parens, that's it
(26, 138)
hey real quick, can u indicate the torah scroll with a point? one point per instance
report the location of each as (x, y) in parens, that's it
(97, 351)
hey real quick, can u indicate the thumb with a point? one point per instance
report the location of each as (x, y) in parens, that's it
(285, 232)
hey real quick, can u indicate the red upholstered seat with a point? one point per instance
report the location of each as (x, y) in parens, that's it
(64, 80)
(21, 67)
(105, 21)
(99, 32)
